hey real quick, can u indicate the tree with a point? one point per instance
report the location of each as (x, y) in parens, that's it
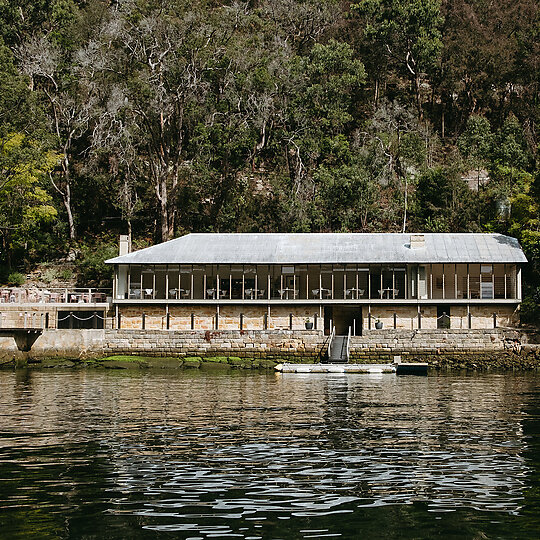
(24, 203)
(475, 143)
(407, 33)
(397, 146)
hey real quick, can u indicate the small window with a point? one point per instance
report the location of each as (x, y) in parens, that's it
(486, 268)
(287, 269)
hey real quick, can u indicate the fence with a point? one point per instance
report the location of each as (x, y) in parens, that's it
(34, 295)
(71, 320)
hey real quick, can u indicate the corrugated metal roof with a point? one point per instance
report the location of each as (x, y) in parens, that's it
(325, 248)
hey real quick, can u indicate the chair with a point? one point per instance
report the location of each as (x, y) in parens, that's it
(135, 293)
(148, 293)
(173, 293)
(185, 294)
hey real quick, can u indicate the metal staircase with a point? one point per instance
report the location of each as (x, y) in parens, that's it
(338, 348)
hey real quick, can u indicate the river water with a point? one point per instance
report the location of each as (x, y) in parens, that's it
(193, 454)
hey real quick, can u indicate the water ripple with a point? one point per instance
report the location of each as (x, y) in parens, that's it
(264, 456)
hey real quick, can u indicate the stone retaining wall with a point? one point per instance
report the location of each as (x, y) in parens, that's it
(454, 348)
(242, 343)
(384, 344)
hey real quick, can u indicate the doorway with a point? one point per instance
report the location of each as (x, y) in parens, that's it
(343, 318)
(443, 316)
(328, 320)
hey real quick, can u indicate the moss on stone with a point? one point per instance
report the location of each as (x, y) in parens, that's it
(125, 358)
(192, 362)
(218, 359)
(236, 361)
(267, 364)
(119, 364)
(214, 366)
(57, 363)
(165, 363)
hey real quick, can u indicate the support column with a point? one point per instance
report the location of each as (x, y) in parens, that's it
(430, 281)
(468, 284)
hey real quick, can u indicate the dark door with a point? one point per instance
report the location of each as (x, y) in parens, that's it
(357, 323)
(345, 317)
(328, 320)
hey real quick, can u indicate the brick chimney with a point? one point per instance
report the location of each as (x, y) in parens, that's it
(124, 244)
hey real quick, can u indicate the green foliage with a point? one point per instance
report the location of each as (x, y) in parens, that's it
(49, 275)
(509, 147)
(91, 265)
(161, 118)
(65, 275)
(475, 142)
(16, 278)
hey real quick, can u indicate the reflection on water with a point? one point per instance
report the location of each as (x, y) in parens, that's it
(247, 455)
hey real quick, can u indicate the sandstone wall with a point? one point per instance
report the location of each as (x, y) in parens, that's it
(249, 317)
(407, 317)
(438, 347)
(207, 317)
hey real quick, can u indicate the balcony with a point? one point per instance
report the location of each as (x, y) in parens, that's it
(317, 284)
(18, 296)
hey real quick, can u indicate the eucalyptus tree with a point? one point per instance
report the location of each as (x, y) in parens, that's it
(475, 143)
(69, 108)
(407, 33)
(396, 146)
(160, 59)
(319, 104)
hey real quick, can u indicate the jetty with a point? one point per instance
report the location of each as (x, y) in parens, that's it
(416, 368)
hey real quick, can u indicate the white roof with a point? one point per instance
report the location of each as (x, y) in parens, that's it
(328, 248)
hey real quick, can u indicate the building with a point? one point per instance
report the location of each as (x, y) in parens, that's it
(215, 281)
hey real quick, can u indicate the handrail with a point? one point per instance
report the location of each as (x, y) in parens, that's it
(332, 335)
(348, 343)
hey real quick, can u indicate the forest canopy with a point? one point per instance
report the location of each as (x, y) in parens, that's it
(156, 118)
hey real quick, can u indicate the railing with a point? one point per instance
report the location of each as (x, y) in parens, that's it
(347, 346)
(30, 320)
(332, 335)
(54, 295)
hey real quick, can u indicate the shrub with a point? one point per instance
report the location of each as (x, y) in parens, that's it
(92, 268)
(16, 279)
(49, 275)
(66, 274)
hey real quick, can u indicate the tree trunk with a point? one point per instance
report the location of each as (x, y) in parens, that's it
(405, 205)
(130, 231)
(164, 210)
(67, 203)
(418, 97)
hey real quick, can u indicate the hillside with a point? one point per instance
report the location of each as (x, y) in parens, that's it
(158, 118)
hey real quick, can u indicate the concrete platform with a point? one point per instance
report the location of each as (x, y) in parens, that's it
(399, 369)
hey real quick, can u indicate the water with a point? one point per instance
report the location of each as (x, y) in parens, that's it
(118, 454)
